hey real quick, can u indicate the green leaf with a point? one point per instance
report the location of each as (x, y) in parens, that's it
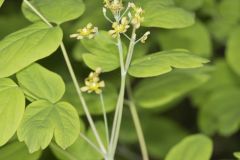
(93, 100)
(195, 147)
(12, 105)
(237, 155)
(104, 54)
(196, 39)
(81, 150)
(163, 62)
(57, 11)
(17, 151)
(43, 120)
(232, 52)
(165, 14)
(40, 83)
(20, 49)
(220, 112)
(1, 3)
(189, 4)
(167, 88)
(160, 133)
(221, 78)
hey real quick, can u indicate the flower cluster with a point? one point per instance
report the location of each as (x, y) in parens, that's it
(93, 83)
(138, 18)
(119, 27)
(87, 32)
(114, 6)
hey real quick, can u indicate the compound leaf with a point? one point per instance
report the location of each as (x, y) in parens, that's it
(43, 120)
(20, 49)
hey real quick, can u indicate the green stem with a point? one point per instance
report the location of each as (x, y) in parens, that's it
(81, 98)
(137, 123)
(119, 108)
(72, 74)
(91, 144)
(105, 117)
(120, 97)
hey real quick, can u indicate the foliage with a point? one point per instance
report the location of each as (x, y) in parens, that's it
(173, 97)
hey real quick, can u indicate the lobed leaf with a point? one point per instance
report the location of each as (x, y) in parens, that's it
(163, 62)
(57, 11)
(39, 83)
(12, 106)
(43, 120)
(20, 49)
(197, 147)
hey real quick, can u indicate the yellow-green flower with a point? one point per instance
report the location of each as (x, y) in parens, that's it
(93, 83)
(138, 18)
(114, 6)
(119, 28)
(87, 32)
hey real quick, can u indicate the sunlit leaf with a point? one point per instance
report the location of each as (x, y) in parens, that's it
(1, 2)
(195, 147)
(43, 120)
(57, 11)
(237, 155)
(20, 49)
(163, 62)
(40, 83)
(12, 105)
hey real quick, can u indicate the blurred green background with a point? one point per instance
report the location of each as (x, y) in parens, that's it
(177, 104)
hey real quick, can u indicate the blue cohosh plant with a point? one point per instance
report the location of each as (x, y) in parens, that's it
(47, 115)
